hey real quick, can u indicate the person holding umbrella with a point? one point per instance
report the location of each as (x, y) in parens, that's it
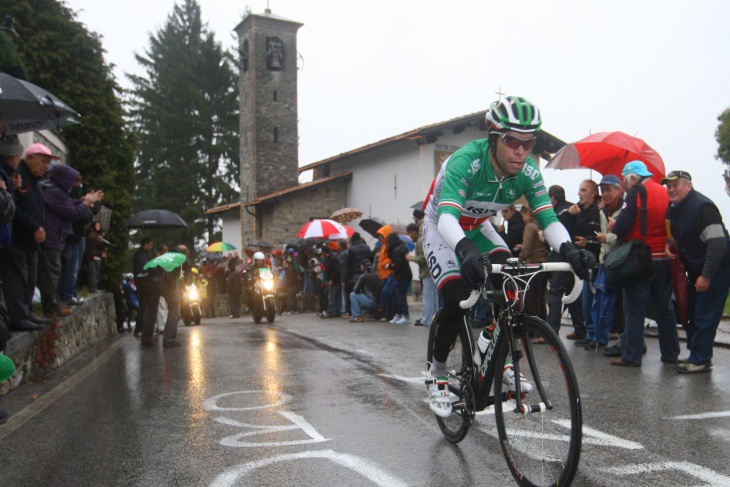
(166, 272)
(704, 248)
(140, 258)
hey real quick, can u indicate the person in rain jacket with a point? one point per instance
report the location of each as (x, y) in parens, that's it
(385, 273)
(403, 276)
(61, 211)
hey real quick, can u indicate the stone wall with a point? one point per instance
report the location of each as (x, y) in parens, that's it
(35, 352)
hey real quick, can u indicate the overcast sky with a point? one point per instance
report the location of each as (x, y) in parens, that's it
(378, 68)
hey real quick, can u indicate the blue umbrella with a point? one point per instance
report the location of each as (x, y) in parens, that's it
(409, 242)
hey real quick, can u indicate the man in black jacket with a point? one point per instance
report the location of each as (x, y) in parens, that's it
(703, 244)
(356, 253)
(561, 283)
(366, 293)
(583, 222)
(19, 261)
(332, 271)
(140, 258)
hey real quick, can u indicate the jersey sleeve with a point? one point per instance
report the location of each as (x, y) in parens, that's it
(536, 195)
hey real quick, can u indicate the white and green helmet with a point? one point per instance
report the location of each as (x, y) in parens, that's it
(513, 113)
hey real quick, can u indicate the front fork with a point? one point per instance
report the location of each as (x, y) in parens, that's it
(516, 355)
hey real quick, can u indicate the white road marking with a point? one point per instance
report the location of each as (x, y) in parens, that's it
(363, 467)
(712, 478)
(718, 414)
(721, 433)
(596, 437)
(412, 380)
(298, 423)
(211, 404)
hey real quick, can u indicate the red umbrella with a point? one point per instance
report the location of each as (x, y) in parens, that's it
(325, 229)
(608, 153)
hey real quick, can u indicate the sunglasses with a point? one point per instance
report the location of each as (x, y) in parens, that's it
(514, 142)
(674, 175)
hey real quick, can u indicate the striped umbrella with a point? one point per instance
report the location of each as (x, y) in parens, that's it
(220, 247)
(325, 229)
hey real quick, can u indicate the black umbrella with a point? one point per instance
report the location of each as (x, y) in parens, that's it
(156, 219)
(261, 243)
(25, 107)
(372, 225)
(417, 206)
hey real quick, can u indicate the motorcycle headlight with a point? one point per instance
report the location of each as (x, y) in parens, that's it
(268, 285)
(193, 294)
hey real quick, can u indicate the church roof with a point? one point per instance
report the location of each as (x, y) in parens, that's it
(222, 209)
(299, 187)
(547, 143)
(266, 14)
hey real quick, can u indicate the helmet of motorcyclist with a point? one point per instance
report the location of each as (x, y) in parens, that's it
(195, 271)
(259, 258)
(513, 113)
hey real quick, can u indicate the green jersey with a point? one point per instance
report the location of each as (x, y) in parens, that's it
(467, 188)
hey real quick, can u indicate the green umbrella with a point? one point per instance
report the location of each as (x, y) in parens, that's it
(167, 261)
(7, 367)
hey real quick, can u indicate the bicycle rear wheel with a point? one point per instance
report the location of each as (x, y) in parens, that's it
(542, 448)
(460, 367)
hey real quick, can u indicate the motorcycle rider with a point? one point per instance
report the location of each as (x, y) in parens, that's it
(251, 273)
(476, 182)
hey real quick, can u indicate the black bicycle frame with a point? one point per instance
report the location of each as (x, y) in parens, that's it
(483, 379)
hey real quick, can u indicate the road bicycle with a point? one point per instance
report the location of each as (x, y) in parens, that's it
(539, 431)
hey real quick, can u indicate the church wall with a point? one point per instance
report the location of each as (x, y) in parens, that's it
(407, 166)
(283, 219)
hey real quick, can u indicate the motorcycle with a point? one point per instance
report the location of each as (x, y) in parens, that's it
(190, 305)
(263, 296)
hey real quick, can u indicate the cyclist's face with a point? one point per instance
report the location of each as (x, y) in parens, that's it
(510, 161)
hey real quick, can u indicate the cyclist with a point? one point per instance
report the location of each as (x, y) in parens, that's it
(477, 181)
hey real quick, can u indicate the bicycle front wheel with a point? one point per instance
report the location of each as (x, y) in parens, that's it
(541, 442)
(459, 366)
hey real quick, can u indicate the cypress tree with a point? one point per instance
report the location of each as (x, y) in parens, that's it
(185, 115)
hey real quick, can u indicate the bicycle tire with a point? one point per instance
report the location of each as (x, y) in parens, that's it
(538, 450)
(459, 364)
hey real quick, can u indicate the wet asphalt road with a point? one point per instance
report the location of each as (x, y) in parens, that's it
(307, 401)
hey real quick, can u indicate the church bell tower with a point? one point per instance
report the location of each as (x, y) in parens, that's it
(269, 137)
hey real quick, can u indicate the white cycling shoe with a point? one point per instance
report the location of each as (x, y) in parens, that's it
(508, 379)
(438, 396)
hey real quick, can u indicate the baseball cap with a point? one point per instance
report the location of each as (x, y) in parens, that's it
(10, 146)
(366, 263)
(636, 167)
(41, 149)
(674, 175)
(610, 179)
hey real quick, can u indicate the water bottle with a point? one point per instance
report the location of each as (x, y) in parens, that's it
(485, 337)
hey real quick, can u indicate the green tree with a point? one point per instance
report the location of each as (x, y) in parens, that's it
(722, 135)
(62, 56)
(185, 115)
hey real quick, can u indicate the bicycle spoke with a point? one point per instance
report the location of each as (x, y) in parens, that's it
(542, 447)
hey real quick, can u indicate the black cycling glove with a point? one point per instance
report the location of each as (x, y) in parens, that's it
(472, 268)
(581, 260)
